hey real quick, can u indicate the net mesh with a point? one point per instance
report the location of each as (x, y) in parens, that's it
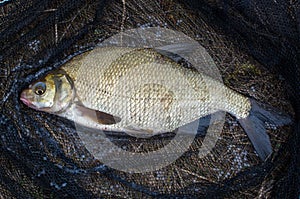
(255, 45)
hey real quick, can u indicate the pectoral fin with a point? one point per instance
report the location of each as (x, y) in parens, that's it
(97, 116)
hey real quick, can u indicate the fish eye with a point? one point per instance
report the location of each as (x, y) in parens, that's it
(39, 88)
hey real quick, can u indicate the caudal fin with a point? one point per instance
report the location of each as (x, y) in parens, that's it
(254, 126)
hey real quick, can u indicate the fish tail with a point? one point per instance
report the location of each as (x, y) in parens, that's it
(254, 125)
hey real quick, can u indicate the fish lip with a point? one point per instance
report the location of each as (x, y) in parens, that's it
(25, 101)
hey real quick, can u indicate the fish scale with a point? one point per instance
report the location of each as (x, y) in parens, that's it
(111, 79)
(142, 91)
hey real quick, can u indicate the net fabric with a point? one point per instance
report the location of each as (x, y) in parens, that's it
(42, 155)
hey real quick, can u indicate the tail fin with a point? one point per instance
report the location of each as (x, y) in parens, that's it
(254, 126)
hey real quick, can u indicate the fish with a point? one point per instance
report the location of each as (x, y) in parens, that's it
(144, 91)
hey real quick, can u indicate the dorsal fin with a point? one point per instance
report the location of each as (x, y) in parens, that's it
(173, 52)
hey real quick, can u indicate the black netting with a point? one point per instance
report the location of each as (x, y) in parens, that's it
(255, 45)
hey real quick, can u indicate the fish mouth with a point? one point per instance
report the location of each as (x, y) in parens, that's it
(24, 99)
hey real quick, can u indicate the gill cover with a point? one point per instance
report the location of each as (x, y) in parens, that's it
(64, 91)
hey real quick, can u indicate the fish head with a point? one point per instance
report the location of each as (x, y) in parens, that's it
(52, 93)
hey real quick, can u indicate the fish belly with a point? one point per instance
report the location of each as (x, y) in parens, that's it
(148, 91)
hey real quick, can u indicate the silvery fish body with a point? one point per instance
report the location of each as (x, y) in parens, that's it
(143, 91)
(147, 90)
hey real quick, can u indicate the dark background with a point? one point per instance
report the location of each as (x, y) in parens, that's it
(41, 154)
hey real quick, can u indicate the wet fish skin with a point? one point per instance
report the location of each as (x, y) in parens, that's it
(146, 76)
(149, 92)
